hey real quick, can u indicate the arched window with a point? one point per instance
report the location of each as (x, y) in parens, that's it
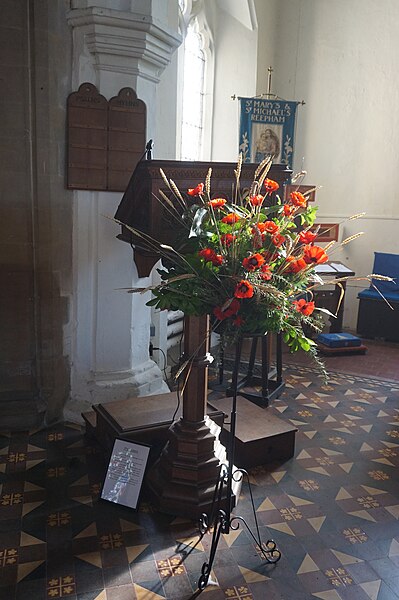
(193, 95)
(195, 84)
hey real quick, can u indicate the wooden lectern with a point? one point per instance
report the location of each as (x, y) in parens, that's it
(183, 479)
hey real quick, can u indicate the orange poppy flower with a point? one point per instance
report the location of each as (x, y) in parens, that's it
(306, 308)
(210, 255)
(229, 309)
(278, 239)
(265, 273)
(238, 321)
(217, 202)
(268, 227)
(314, 254)
(227, 238)
(196, 191)
(231, 218)
(295, 264)
(306, 237)
(253, 262)
(298, 199)
(271, 186)
(288, 210)
(244, 289)
(256, 200)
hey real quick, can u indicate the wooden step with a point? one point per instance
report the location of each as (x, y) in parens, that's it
(145, 419)
(90, 419)
(261, 437)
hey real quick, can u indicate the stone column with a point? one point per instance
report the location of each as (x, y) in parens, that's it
(113, 48)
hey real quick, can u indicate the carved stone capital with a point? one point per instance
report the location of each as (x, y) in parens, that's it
(126, 42)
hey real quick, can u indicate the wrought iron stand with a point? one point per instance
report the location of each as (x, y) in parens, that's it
(221, 518)
(271, 379)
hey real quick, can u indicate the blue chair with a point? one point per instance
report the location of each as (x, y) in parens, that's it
(375, 318)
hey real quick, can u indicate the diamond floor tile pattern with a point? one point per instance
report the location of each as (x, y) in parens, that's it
(333, 511)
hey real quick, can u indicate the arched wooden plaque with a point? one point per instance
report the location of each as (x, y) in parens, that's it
(126, 137)
(87, 139)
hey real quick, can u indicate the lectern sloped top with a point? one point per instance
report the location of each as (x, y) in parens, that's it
(140, 208)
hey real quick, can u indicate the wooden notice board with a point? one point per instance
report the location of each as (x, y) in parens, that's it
(87, 139)
(105, 139)
(126, 137)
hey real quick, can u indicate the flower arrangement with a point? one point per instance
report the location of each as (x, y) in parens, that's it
(249, 263)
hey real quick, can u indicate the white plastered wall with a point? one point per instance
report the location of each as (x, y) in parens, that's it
(342, 59)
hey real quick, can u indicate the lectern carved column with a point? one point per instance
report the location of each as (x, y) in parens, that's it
(182, 481)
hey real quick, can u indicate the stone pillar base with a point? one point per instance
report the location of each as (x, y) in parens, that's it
(144, 380)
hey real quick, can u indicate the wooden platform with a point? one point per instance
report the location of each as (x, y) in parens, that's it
(145, 419)
(261, 437)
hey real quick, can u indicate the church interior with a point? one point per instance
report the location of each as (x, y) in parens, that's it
(126, 471)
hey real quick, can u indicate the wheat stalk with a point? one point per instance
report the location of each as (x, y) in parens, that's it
(164, 178)
(237, 171)
(266, 161)
(380, 277)
(178, 194)
(351, 238)
(357, 216)
(329, 245)
(208, 181)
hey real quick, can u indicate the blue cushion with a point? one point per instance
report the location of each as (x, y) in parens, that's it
(384, 264)
(371, 294)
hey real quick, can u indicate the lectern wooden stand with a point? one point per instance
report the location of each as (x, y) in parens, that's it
(183, 480)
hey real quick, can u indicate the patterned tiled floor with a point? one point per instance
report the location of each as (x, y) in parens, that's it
(333, 510)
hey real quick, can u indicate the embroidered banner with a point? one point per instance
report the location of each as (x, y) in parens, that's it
(267, 127)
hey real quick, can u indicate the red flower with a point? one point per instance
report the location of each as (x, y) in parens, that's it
(217, 202)
(196, 191)
(268, 227)
(229, 309)
(256, 200)
(271, 186)
(306, 308)
(288, 210)
(210, 255)
(253, 262)
(298, 199)
(307, 237)
(278, 239)
(231, 218)
(295, 265)
(227, 238)
(265, 273)
(244, 289)
(314, 254)
(238, 321)
(206, 254)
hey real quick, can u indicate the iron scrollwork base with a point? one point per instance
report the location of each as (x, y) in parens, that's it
(222, 522)
(221, 519)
